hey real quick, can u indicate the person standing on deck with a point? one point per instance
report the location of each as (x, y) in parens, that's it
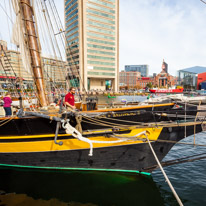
(69, 99)
(7, 104)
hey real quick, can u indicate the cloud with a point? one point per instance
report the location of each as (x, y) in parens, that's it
(151, 30)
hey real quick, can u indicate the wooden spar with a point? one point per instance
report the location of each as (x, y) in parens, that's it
(27, 12)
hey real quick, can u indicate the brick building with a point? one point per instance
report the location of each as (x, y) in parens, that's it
(164, 79)
(129, 79)
(12, 67)
(143, 81)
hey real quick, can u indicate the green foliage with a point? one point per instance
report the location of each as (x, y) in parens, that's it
(149, 85)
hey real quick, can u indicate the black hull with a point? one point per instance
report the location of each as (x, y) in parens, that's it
(137, 157)
(38, 126)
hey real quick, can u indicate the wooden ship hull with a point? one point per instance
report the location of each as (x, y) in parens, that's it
(29, 141)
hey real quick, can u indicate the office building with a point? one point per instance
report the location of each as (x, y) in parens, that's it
(55, 70)
(192, 77)
(92, 42)
(11, 68)
(143, 69)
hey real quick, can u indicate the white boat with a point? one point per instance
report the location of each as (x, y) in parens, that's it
(27, 103)
(176, 97)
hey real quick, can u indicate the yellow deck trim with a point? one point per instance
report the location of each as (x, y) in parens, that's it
(102, 110)
(129, 108)
(73, 144)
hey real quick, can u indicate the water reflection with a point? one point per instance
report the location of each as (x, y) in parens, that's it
(77, 188)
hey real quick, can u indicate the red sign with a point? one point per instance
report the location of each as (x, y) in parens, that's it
(5, 77)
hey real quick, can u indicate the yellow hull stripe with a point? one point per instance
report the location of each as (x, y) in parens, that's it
(52, 135)
(49, 135)
(130, 108)
(74, 144)
(33, 136)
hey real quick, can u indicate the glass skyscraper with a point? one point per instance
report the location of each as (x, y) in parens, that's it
(143, 69)
(92, 39)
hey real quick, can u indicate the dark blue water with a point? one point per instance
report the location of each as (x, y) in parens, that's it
(188, 179)
(45, 187)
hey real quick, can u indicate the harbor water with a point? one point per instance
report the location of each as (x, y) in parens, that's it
(58, 187)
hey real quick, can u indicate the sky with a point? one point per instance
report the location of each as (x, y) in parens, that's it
(153, 30)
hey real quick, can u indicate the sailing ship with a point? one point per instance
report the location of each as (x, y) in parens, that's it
(108, 139)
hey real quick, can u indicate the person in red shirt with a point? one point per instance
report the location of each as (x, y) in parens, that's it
(69, 98)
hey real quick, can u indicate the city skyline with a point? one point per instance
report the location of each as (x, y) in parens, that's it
(151, 31)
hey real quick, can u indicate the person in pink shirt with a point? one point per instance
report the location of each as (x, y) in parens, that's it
(7, 104)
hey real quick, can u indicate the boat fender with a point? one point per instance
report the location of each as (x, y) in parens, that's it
(20, 112)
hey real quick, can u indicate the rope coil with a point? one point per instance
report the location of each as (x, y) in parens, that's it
(71, 130)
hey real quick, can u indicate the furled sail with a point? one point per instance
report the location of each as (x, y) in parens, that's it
(19, 37)
(27, 39)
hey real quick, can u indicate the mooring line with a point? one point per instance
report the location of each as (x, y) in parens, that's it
(163, 172)
(195, 121)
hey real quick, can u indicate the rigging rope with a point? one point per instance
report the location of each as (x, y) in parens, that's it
(74, 132)
(99, 121)
(51, 26)
(7, 120)
(163, 172)
(77, 69)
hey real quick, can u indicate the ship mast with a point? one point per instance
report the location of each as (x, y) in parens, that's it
(35, 56)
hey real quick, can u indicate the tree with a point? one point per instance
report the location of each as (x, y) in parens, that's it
(149, 85)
